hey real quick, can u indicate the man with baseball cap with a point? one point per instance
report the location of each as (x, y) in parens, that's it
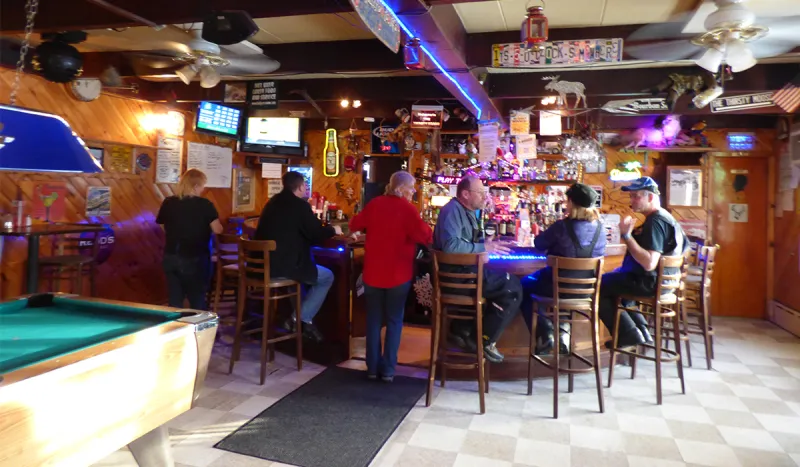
(660, 234)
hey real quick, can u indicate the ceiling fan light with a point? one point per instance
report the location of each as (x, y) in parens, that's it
(209, 77)
(739, 56)
(187, 73)
(711, 60)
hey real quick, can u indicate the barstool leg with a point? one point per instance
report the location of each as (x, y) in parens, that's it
(217, 286)
(299, 328)
(677, 336)
(570, 376)
(615, 342)
(442, 345)
(685, 331)
(237, 333)
(706, 328)
(265, 324)
(658, 339)
(435, 336)
(596, 358)
(556, 360)
(481, 361)
(532, 345)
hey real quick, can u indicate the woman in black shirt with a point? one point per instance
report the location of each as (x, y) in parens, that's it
(188, 220)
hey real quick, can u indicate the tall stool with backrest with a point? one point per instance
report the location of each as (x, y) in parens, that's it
(225, 260)
(698, 300)
(71, 262)
(255, 283)
(663, 305)
(571, 297)
(450, 306)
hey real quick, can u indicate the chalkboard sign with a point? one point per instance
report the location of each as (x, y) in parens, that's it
(263, 94)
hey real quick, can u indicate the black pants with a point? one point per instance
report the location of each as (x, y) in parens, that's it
(187, 277)
(503, 294)
(615, 284)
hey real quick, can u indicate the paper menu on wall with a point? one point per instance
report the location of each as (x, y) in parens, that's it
(215, 161)
(526, 147)
(487, 142)
(168, 160)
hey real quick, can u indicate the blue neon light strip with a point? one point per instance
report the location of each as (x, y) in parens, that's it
(517, 257)
(435, 62)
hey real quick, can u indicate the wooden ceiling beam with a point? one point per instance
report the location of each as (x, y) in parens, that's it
(442, 33)
(60, 15)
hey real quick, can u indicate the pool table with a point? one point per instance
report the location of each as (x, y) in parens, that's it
(82, 377)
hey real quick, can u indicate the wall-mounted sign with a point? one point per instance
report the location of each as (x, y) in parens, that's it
(741, 141)
(377, 17)
(745, 101)
(520, 123)
(262, 94)
(380, 141)
(627, 172)
(516, 55)
(634, 106)
(427, 117)
(549, 123)
(488, 141)
(449, 180)
(526, 147)
(331, 151)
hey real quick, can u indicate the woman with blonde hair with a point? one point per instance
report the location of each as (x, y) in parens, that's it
(394, 228)
(580, 235)
(188, 220)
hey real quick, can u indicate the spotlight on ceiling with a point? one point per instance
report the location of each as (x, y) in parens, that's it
(345, 103)
(356, 104)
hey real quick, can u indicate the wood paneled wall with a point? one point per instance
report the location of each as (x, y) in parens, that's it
(787, 247)
(133, 271)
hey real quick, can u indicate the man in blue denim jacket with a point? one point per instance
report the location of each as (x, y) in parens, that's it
(457, 231)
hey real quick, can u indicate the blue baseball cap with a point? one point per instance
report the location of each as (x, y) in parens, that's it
(643, 184)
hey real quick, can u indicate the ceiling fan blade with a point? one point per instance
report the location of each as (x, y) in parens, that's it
(156, 59)
(764, 48)
(665, 51)
(672, 29)
(242, 48)
(249, 65)
(782, 29)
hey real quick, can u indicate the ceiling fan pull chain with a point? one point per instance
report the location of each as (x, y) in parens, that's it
(31, 8)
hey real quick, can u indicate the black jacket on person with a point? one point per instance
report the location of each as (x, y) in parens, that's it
(290, 222)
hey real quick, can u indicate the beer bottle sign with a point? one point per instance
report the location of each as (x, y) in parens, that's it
(331, 168)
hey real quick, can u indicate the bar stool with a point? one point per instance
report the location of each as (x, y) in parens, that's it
(225, 263)
(450, 306)
(698, 301)
(70, 262)
(255, 283)
(571, 296)
(661, 306)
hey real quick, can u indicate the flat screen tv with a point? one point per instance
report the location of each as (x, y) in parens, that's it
(273, 135)
(218, 120)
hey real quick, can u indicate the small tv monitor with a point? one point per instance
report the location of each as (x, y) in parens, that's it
(274, 135)
(218, 120)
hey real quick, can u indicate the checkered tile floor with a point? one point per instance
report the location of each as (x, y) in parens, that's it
(746, 412)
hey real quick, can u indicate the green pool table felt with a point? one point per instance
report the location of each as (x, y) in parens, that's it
(31, 334)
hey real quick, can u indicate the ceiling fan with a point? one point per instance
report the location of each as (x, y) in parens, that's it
(732, 35)
(199, 58)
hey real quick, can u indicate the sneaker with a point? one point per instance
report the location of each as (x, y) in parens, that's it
(372, 377)
(463, 340)
(629, 339)
(289, 324)
(311, 333)
(544, 344)
(387, 379)
(648, 339)
(563, 344)
(491, 353)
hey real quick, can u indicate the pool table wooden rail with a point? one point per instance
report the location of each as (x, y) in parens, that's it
(78, 408)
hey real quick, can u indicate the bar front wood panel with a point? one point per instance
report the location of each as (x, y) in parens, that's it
(133, 271)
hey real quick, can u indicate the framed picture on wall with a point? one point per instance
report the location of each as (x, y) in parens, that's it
(684, 187)
(244, 190)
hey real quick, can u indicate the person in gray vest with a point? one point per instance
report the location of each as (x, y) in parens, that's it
(457, 231)
(660, 234)
(580, 235)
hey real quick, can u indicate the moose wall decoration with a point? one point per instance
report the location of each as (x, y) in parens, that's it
(566, 87)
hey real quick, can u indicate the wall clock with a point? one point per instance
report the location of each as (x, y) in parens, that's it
(86, 89)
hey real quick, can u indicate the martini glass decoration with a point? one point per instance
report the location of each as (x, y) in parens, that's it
(47, 201)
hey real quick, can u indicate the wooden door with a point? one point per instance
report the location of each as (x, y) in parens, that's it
(739, 208)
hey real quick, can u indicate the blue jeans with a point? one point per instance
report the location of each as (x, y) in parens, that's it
(187, 277)
(389, 304)
(316, 294)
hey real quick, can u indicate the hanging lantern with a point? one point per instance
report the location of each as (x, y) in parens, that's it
(413, 56)
(534, 28)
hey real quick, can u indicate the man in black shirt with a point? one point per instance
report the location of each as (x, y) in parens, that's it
(660, 234)
(288, 220)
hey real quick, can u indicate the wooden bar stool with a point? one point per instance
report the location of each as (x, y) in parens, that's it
(451, 306)
(662, 306)
(225, 263)
(571, 297)
(255, 283)
(697, 303)
(70, 262)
